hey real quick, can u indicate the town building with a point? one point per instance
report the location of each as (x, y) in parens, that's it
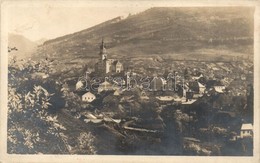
(246, 130)
(88, 97)
(165, 99)
(106, 65)
(158, 84)
(118, 92)
(219, 88)
(106, 86)
(144, 95)
(79, 85)
(197, 87)
(182, 89)
(196, 78)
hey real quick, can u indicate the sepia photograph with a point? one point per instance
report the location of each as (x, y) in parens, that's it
(121, 78)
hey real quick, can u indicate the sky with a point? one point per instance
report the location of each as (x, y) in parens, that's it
(44, 19)
(47, 21)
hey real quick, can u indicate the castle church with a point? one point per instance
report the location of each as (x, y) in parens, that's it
(105, 65)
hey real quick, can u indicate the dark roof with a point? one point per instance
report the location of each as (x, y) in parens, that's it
(116, 61)
(212, 83)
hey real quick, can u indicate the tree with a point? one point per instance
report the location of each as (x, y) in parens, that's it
(186, 74)
(111, 101)
(33, 124)
(85, 143)
(30, 124)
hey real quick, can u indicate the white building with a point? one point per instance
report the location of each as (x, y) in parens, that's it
(197, 77)
(219, 89)
(88, 97)
(246, 130)
(202, 88)
(165, 98)
(118, 92)
(79, 85)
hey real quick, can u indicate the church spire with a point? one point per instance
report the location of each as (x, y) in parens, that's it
(102, 42)
(103, 52)
(102, 47)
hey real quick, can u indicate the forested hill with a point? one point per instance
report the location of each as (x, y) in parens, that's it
(160, 30)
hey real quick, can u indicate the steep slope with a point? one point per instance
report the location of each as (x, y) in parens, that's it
(160, 31)
(25, 47)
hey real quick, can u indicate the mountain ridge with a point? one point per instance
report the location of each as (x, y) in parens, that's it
(159, 30)
(25, 47)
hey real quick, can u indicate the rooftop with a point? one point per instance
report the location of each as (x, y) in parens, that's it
(247, 126)
(165, 98)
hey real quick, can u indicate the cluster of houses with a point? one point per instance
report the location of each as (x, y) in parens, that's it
(166, 89)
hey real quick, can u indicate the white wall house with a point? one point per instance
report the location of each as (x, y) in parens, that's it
(246, 130)
(88, 97)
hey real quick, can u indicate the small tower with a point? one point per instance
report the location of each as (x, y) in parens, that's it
(183, 89)
(175, 80)
(128, 86)
(103, 52)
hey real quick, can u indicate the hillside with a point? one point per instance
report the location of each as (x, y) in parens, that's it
(161, 31)
(40, 41)
(25, 46)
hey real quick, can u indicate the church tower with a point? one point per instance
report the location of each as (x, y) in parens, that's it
(103, 52)
(105, 65)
